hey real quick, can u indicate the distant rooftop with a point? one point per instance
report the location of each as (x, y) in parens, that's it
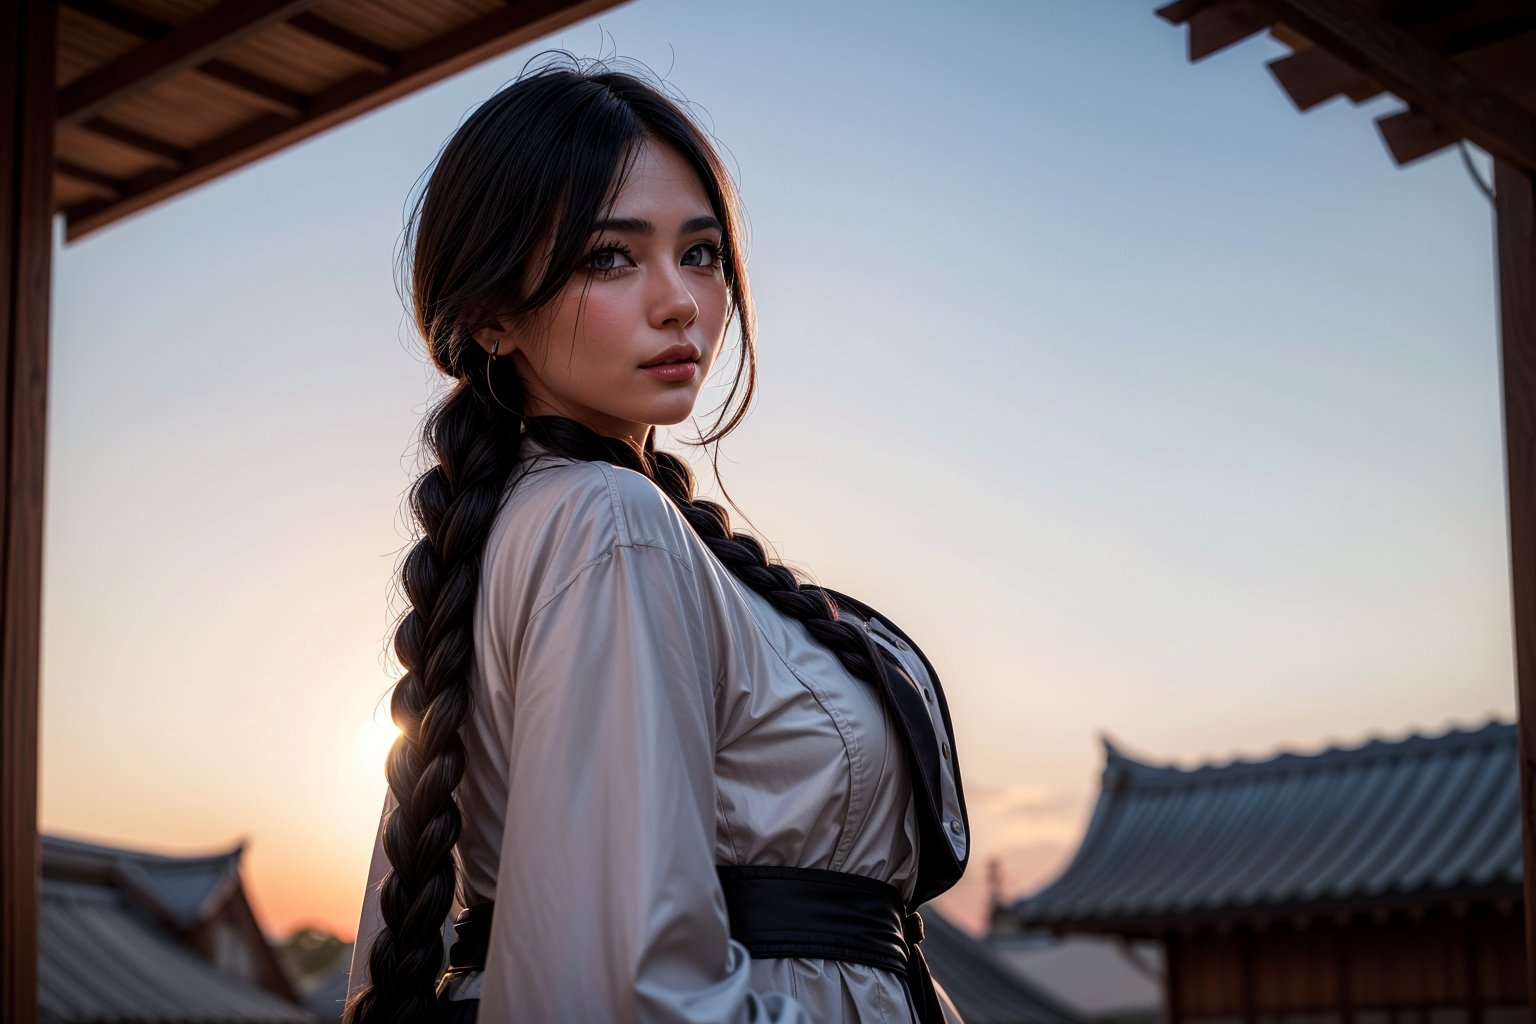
(984, 987)
(114, 939)
(182, 891)
(1419, 821)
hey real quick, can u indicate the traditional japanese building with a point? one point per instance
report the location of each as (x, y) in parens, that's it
(1361, 885)
(132, 936)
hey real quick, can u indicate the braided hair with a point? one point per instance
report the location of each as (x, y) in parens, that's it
(500, 227)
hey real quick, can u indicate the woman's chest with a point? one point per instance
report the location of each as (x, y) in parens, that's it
(810, 770)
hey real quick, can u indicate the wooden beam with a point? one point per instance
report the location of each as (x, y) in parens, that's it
(123, 19)
(1507, 64)
(1218, 26)
(1413, 134)
(1315, 75)
(379, 59)
(265, 92)
(1180, 11)
(128, 20)
(164, 154)
(194, 42)
(1422, 77)
(101, 184)
(1515, 236)
(27, 54)
(268, 94)
(485, 37)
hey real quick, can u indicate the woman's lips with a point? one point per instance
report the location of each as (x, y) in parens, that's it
(673, 371)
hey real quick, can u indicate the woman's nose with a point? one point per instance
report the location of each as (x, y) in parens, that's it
(673, 302)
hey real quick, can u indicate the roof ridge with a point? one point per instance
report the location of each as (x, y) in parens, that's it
(1122, 768)
(66, 844)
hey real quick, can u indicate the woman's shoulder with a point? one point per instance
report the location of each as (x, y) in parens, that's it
(586, 510)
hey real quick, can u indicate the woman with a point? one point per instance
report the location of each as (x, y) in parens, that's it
(668, 781)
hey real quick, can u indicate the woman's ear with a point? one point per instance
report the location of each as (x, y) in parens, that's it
(495, 337)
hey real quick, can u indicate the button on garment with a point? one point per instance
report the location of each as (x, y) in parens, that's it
(640, 717)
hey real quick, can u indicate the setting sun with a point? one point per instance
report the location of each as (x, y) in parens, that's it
(373, 742)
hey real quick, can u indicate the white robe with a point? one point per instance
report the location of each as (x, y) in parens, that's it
(641, 716)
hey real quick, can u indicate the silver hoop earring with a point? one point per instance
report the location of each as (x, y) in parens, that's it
(489, 386)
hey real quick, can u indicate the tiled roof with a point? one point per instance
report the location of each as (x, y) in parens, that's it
(985, 989)
(1422, 820)
(185, 891)
(108, 950)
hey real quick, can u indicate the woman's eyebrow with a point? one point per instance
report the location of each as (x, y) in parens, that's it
(641, 226)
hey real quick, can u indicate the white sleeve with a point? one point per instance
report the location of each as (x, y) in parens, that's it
(371, 917)
(607, 903)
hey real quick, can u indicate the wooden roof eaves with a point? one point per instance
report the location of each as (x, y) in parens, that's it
(161, 151)
(476, 41)
(380, 59)
(102, 184)
(1428, 81)
(192, 44)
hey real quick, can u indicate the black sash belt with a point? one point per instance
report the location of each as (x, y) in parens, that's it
(787, 912)
(829, 915)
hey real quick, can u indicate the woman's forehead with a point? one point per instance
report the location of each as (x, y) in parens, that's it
(661, 186)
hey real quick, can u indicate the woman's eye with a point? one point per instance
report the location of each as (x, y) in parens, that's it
(610, 258)
(705, 254)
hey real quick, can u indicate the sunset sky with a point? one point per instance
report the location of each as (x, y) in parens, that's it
(1150, 406)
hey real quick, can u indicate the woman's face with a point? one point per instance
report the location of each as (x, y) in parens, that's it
(628, 341)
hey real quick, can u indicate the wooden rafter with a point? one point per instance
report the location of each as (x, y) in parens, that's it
(380, 60)
(163, 153)
(1214, 27)
(471, 43)
(1315, 75)
(124, 19)
(102, 184)
(1424, 78)
(184, 47)
(262, 91)
(377, 58)
(1411, 134)
(1435, 83)
(1507, 64)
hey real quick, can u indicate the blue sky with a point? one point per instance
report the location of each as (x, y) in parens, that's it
(1149, 405)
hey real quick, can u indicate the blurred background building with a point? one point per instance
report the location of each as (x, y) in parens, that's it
(132, 936)
(1368, 884)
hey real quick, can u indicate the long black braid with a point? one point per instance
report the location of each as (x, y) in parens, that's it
(476, 444)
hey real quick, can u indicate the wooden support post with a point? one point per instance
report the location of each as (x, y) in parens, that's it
(1344, 964)
(27, 29)
(1471, 977)
(1173, 1003)
(1515, 235)
(1248, 974)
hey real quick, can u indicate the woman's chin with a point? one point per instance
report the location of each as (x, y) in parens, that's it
(670, 416)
